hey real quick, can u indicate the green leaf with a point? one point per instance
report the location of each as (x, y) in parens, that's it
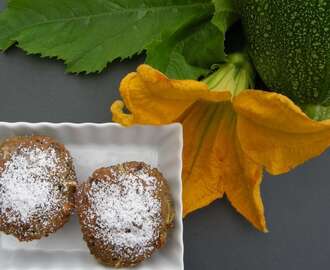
(88, 34)
(225, 14)
(191, 51)
(168, 58)
(187, 54)
(205, 46)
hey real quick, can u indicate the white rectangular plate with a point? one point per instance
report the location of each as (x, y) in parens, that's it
(93, 146)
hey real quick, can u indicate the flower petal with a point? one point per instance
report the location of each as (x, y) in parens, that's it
(202, 172)
(275, 132)
(152, 98)
(243, 187)
(214, 163)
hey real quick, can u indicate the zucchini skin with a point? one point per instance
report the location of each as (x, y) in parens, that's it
(289, 44)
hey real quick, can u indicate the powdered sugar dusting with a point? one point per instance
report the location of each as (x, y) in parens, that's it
(126, 213)
(26, 191)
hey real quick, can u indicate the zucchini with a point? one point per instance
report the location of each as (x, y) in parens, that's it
(289, 44)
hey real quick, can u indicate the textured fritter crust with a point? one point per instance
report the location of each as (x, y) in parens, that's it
(125, 212)
(37, 186)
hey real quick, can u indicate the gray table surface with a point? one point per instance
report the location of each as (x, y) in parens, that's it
(297, 204)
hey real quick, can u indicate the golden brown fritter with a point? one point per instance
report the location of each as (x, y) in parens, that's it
(125, 212)
(37, 185)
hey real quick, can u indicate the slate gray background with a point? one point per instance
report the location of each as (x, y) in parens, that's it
(297, 204)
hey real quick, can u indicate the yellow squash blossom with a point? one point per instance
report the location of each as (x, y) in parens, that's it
(230, 134)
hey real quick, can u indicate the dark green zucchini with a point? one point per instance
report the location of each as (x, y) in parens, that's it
(289, 43)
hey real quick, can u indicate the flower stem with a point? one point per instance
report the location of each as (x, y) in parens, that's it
(235, 75)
